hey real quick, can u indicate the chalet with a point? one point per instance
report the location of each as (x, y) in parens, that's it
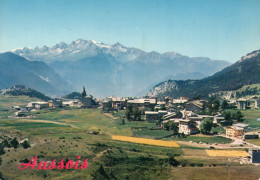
(119, 103)
(243, 103)
(245, 127)
(187, 127)
(218, 119)
(169, 115)
(55, 103)
(73, 102)
(254, 102)
(233, 131)
(105, 103)
(167, 100)
(153, 116)
(194, 107)
(143, 102)
(41, 105)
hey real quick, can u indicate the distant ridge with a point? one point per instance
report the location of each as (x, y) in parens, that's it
(21, 90)
(116, 69)
(15, 69)
(246, 71)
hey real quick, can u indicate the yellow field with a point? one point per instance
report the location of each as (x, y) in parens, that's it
(226, 153)
(146, 141)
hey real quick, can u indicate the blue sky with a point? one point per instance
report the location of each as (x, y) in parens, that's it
(219, 29)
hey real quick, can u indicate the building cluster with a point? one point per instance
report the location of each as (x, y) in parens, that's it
(182, 111)
(85, 102)
(247, 103)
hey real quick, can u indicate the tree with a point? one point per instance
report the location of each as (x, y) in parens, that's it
(213, 105)
(123, 121)
(206, 126)
(171, 126)
(228, 117)
(14, 143)
(26, 144)
(2, 151)
(5, 143)
(1, 176)
(128, 114)
(83, 94)
(109, 105)
(137, 114)
(238, 116)
(224, 105)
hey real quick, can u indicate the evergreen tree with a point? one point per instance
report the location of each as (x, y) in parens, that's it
(14, 143)
(2, 151)
(224, 105)
(26, 144)
(83, 94)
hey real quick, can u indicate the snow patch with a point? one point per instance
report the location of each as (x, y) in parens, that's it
(45, 79)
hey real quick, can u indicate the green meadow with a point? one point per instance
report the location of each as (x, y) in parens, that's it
(68, 133)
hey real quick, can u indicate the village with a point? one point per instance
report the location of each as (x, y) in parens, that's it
(182, 116)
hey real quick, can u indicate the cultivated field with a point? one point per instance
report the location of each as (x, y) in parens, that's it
(146, 141)
(227, 153)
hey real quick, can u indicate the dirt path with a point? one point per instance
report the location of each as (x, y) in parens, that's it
(111, 116)
(99, 155)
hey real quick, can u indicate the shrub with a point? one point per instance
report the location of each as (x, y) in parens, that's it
(26, 144)
(14, 143)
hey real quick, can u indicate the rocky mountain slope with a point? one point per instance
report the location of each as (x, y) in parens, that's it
(246, 71)
(15, 70)
(116, 69)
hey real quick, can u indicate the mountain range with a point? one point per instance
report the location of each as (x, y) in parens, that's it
(115, 69)
(16, 70)
(246, 71)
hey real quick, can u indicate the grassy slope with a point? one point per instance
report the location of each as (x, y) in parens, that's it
(250, 116)
(125, 160)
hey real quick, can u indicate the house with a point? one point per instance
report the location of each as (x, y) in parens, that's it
(143, 102)
(73, 102)
(16, 108)
(243, 103)
(119, 103)
(169, 115)
(105, 104)
(233, 131)
(151, 116)
(254, 102)
(245, 127)
(218, 119)
(87, 101)
(187, 127)
(167, 100)
(41, 105)
(195, 106)
(55, 103)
